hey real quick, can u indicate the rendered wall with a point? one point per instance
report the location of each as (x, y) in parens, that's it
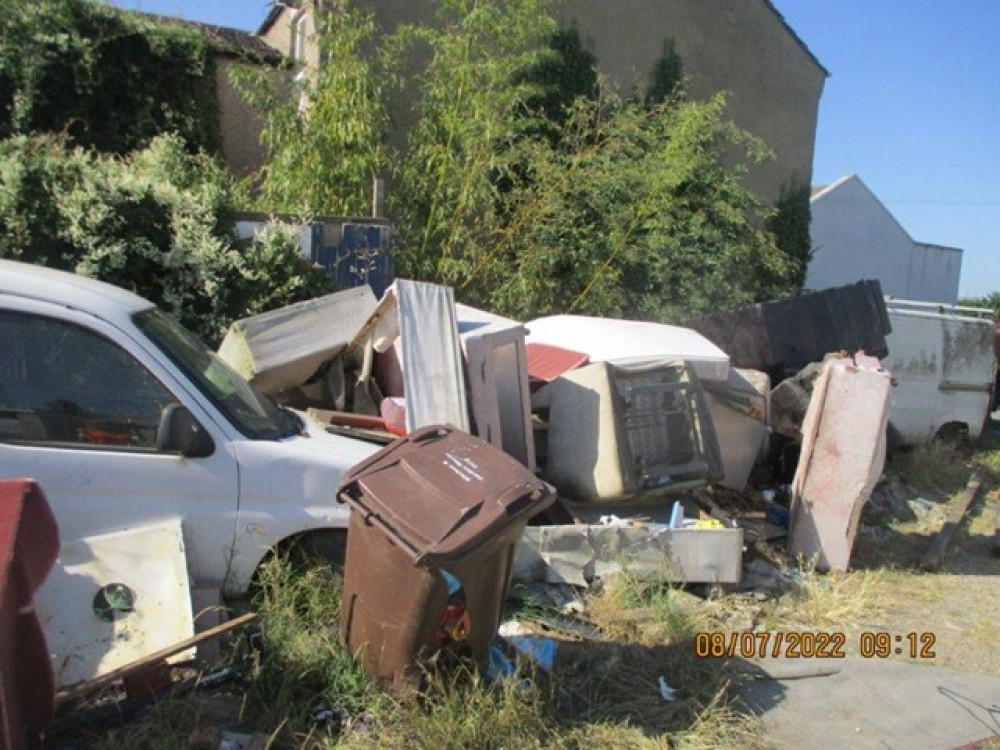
(854, 237)
(934, 273)
(239, 124)
(742, 47)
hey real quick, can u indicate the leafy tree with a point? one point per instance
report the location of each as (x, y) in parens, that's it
(563, 73)
(531, 191)
(667, 78)
(636, 215)
(471, 104)
(325, 131)
(789, 223)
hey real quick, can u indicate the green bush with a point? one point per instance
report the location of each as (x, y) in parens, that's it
(154, 222)
(635, 214)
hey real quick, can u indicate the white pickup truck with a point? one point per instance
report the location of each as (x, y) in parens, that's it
(125, 419)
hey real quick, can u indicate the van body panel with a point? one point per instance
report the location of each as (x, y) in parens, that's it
(943, 363)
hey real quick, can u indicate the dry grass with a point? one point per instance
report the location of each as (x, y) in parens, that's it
(600, 694)
(663, 612)
(830, 600)
(940, 467)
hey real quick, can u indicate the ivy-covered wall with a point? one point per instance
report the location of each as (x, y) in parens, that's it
(107, 79)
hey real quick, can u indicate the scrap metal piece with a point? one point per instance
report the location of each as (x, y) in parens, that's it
(579, 554)
(150, 562)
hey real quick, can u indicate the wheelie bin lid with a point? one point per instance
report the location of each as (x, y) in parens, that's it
(440, 493)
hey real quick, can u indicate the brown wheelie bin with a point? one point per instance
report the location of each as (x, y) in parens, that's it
(436, 518)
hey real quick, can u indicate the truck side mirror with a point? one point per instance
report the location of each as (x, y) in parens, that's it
(180, 432)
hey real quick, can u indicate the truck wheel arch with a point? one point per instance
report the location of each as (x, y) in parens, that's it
(325, 546)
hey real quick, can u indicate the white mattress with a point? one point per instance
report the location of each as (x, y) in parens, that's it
(631, 342)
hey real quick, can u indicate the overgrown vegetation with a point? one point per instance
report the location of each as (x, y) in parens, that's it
(154, 222)
(790, 226)
(325, 130)
(632, 215)
(990, 302)
(528, 186)
(667, 78)
(108, 166)
(521, 180)
(603, 694)
(470, 109)
(106, 79)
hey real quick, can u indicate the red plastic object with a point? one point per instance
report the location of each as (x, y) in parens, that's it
(546, 363)
(29, 544)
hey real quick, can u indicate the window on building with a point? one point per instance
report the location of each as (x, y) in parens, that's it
(61, 383)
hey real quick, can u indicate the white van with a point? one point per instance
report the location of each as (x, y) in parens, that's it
(125, 419)
(942, 360)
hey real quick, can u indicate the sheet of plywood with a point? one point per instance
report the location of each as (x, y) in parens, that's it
(497, 374)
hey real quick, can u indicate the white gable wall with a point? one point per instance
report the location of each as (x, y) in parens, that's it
(855, 237)
(934, 272)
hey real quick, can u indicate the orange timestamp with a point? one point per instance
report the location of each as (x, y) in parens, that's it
(813, 645)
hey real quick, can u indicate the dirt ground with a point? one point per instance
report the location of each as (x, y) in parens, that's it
(959, 606)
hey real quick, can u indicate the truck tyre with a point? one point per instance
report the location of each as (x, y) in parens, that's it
(327, 546)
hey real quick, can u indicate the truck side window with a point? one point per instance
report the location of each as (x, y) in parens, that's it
(61, 383)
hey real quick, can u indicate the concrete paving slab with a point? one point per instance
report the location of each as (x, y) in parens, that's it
(873, 704)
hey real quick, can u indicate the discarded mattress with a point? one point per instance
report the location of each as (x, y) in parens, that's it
(579, 554)
(116, 598)
(617, 432)
(282, 349)
(843, 451)
(790, 333)
(631, 342)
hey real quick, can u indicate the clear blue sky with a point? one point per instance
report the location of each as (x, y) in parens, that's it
(912, 106)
